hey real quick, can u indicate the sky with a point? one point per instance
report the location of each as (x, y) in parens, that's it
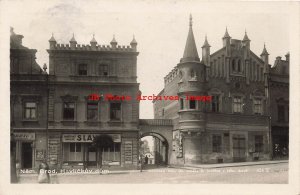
(160, 28)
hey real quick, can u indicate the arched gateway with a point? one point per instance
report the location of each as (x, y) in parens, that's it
(161, 131)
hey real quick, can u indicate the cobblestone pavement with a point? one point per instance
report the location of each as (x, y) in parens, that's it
(266, 174)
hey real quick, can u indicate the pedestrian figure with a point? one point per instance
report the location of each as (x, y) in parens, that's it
(146, 159)
(43, 174)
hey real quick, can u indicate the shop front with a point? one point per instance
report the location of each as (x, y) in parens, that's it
(85, 151)
(25, 149)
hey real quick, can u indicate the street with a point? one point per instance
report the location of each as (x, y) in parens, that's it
(256, 174)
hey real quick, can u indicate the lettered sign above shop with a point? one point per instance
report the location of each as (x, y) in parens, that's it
(87, 137)
(24, 136)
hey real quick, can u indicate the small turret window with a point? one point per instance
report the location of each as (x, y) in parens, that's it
(193, 73)
(180, 74)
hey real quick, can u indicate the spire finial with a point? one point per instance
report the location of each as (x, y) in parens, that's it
(226, 34)
(191, 20)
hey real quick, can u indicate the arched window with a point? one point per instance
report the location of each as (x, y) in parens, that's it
(233, 64)
(239, 66)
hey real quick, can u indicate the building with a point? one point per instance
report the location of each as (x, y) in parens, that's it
(105, 73)
(235, 125)
(28, 103)
(279, 93)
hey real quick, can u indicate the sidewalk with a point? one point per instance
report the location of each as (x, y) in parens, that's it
(221, 165)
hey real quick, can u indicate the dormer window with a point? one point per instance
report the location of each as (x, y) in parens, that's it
(82, 69)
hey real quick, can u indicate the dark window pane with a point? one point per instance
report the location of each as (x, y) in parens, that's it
(192, 104)
(68, 112)
(103, 70)
(215, 103)
(82, 69)
(181, 104)
(115, 111)
(92, 111)
(72, 147)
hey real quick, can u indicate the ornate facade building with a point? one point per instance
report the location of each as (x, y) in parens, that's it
(53, 115)
(235, 125)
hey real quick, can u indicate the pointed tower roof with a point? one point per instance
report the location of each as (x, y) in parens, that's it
(264, 52)
(133, 41)
(226, 34)
(73, 39)
(93, 39)
(206, 44)
(113, 41)
(246, 37)
(190, 51)
(52, 39)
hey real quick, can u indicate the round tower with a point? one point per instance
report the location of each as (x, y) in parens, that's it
(191, 87)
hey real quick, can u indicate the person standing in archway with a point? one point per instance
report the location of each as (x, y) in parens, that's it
(146, 159)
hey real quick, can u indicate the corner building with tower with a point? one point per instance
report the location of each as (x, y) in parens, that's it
(235, 126)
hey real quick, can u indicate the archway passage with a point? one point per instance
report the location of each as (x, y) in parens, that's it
(154, 150)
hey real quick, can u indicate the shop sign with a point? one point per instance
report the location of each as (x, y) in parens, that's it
(24, 136)
(87, 137)
(128, 152)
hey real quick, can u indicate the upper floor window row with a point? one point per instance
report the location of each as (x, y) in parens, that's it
(102, 70)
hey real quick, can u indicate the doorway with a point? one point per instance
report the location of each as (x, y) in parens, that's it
(239, 148)
(26, 155)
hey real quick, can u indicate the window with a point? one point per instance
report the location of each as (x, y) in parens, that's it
(30, 110)
(217, 143)
(111, 153)
(92, 111)
(73, 152)
(192, 73)
(215, 107)
(115, 111)
(239, 66)
(233, 65)
(237, 104)
(281, 113)
(69, 110)
(181, 104)
(258, 139)
(192, 104)
(103, 70)
(257, 106)
(82, 69)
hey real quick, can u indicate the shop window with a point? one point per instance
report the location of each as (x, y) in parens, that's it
(111, 153)
(103, 70)
(82, 69)
(192, 104)
(69, 111)
(215, 104)
(30, 109)
(115, 111)
(258, 143)
(73, 152)
(237, 104)
(217, 143)
(281, 113)
(92, 111)
(257, 106)
(181, 104)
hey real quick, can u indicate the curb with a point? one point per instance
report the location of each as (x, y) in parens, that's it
(212, 166)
